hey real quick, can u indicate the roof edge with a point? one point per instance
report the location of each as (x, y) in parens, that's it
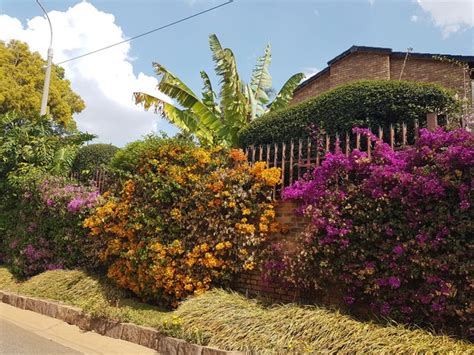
(312, 78)
(365, 49)
(355, 49)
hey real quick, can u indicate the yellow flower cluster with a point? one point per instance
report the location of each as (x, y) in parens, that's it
(202, 157)
(190, 218)
(237, 155)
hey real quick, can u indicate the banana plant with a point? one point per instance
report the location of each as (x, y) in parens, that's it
(218, 118)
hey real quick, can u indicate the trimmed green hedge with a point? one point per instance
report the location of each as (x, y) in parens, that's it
(366, 103)
(93, 156)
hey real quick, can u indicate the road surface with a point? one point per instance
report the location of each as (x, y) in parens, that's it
(26, 332)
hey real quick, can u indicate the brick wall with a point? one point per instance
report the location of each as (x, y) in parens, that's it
(251, 283)
(317, 87)
(382, 66)
(372, 66)
(429, 71)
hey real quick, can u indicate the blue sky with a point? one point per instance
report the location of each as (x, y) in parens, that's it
(304, 35)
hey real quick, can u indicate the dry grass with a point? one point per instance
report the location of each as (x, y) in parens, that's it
(94, 295)
(230, 321)
(234, 322)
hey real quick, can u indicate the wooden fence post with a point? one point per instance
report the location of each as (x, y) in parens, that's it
(432, 121)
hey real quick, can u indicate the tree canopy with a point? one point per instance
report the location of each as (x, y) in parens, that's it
(21, 85)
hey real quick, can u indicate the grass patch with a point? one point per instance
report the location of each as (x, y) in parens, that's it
(95, 295)
(230, 321)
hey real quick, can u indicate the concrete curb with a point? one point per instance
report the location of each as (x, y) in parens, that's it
(144, 336)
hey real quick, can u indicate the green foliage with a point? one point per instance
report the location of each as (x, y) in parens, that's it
(31, 147)
(21, 85)
(92, 157)
(30, 150)
(359, 104)
(128, 159)
(41, 228)
(186, 219)
(215, 122)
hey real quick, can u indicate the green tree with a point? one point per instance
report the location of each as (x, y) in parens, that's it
(21, 85)
(90, 158)
(30, 147)
(215, 121)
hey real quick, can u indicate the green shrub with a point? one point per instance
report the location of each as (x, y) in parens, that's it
(128, 159)
(41, 228)
(35, 145)
(92, 157)
(187, 219)
(358, 104)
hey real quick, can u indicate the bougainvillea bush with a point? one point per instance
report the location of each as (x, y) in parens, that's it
(45, 227)
(188, 219)
(395, 231)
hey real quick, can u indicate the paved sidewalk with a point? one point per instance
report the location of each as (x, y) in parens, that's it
(26, 332)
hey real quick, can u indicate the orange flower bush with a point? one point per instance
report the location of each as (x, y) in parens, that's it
(187, 220)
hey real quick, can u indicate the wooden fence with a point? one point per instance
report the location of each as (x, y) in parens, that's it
(297, 157)
(100, 179)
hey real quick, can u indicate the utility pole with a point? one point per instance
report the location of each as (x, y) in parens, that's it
(44, 99)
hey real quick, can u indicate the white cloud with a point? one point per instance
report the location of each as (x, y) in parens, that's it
(451, 16)
(371, 2)
(309, 72)
(414, 18)
(105, 80)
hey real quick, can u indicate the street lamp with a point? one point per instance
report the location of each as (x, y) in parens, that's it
(44, 99)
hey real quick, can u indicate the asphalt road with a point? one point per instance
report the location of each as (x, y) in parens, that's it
(16, 340)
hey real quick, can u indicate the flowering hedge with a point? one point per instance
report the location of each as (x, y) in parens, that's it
(44, 229)
(394, 232)
(188, 219)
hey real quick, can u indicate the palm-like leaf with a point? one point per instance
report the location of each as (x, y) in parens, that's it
(286, 92)
(216, 48)
(213, 122)
(261, 81)
(208, 95)
(63, 159)
(233, 101)
(253, 106)
(148, 101)
(188, 122)
(185, 120)
(172, 86)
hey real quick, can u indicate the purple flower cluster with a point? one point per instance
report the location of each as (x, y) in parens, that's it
(407, 214)
(49, 233)
(89, 201)
(57, 193)
(36, 256)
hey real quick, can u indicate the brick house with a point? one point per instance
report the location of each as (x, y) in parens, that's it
(374, 63)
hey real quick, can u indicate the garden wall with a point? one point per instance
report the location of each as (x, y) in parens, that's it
(252, 283)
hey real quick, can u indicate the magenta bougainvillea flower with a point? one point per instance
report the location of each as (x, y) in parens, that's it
(406, 213)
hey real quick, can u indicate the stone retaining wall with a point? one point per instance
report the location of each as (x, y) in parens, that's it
(144, 336)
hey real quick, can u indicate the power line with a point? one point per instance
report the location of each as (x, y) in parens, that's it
(148, 32)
